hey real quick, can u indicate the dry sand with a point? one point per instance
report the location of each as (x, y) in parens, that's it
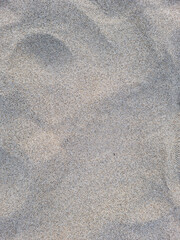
(89, 120)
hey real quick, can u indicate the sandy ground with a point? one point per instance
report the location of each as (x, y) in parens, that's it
(89, 120)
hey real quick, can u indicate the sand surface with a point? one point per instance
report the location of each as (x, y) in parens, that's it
(89, 120)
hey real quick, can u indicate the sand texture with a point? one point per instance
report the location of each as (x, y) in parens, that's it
(89, 120)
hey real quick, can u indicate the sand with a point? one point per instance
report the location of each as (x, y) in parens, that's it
(89, 120)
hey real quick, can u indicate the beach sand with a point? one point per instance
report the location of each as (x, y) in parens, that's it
(89, 120)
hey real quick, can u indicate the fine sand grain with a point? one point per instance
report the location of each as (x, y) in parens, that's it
(89, 120)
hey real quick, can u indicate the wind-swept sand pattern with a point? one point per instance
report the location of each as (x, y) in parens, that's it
(89, 120)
